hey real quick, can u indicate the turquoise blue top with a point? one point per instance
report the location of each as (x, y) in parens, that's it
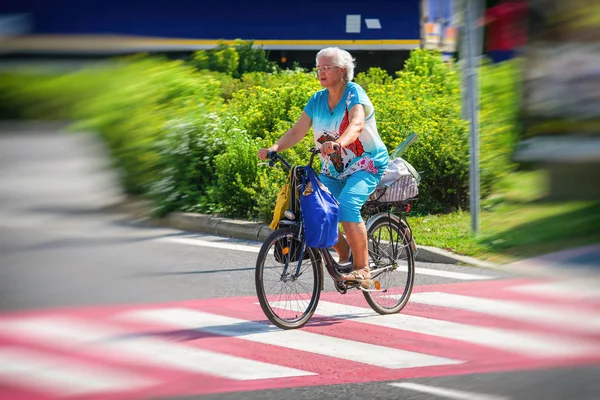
(367, 153)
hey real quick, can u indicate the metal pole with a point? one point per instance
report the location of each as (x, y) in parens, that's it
(423, 11)
(472, 109)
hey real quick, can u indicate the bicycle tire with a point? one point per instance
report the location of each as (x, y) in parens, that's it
(289, 235)
(398, 227)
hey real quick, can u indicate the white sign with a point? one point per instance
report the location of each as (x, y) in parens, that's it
(373, 23)
(353, 23)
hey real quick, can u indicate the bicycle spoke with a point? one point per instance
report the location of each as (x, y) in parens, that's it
(287, 298)
(394, 274)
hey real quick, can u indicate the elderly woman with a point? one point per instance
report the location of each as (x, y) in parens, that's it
(353, 155)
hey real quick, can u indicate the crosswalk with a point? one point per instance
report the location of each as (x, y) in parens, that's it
(225, 345)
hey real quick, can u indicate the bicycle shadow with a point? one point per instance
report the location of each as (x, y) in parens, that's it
(236, 330)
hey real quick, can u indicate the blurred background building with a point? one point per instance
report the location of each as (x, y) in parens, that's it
(378, 33)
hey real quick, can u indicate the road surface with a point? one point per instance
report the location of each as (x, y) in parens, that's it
(94, 304)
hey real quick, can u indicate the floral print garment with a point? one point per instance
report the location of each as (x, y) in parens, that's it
(367, 153)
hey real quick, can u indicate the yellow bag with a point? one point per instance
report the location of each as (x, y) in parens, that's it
(282, 204)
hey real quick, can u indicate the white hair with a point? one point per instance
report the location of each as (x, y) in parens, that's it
(341, 58)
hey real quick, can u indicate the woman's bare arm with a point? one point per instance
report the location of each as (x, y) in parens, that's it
(294, 135)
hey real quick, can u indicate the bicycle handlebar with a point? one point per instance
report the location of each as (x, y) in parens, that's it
(273, 157)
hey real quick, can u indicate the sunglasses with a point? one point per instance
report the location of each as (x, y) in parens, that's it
(325, 68)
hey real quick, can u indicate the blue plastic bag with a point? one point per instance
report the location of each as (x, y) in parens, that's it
(320, 210)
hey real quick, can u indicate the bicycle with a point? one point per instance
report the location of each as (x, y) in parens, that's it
(390, 242)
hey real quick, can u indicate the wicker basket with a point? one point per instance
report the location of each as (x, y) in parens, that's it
(405, 188)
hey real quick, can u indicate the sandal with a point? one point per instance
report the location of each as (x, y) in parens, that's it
(362, 276)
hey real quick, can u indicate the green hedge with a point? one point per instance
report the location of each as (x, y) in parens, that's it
(425, 98)
(235, 60)
(186, 133)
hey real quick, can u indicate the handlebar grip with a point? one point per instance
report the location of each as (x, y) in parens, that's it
(337, 146)
(272, 157)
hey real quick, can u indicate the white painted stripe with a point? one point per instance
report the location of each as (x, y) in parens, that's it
(447, 393)
(62, 376)
(208, 243)
(555, 315)
(523, 343)
(256, 249)
(446, 274)
(293, 339)
(85, 336)
(574, 290)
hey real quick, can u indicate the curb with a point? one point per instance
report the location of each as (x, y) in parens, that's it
(248, 230)
(435, 255)
(218, 226)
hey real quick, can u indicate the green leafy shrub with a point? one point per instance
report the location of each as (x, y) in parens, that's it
(426, 98)
(499, 97)
(265, 110)
(43, 94)
(236, 60)
(186, 163)
(374, 76)
(236, 170)
(414, 103)
(270, 101)
(209, 164)
(221, 59)
(133, 111)
(188, 137)
(429, 64)
(252, 59)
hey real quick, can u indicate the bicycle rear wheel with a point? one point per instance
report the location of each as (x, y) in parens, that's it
(392, 264)
(288, 299)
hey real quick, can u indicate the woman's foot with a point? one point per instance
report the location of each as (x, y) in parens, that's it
(362, 275)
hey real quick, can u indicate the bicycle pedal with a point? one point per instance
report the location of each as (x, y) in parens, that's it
(351, 284)
(355, 284)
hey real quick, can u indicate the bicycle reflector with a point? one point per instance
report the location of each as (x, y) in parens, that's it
(377, 285)
(289, 215)
(408, 207)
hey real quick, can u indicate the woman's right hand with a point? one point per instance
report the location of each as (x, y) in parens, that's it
(262, 153)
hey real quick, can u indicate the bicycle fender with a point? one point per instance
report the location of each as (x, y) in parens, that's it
(372, 220)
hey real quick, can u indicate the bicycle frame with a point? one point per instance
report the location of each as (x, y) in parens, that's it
(297, 173)
(332, 266)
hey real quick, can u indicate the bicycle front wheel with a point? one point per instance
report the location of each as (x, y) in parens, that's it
(288, 296)
(392, 264)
